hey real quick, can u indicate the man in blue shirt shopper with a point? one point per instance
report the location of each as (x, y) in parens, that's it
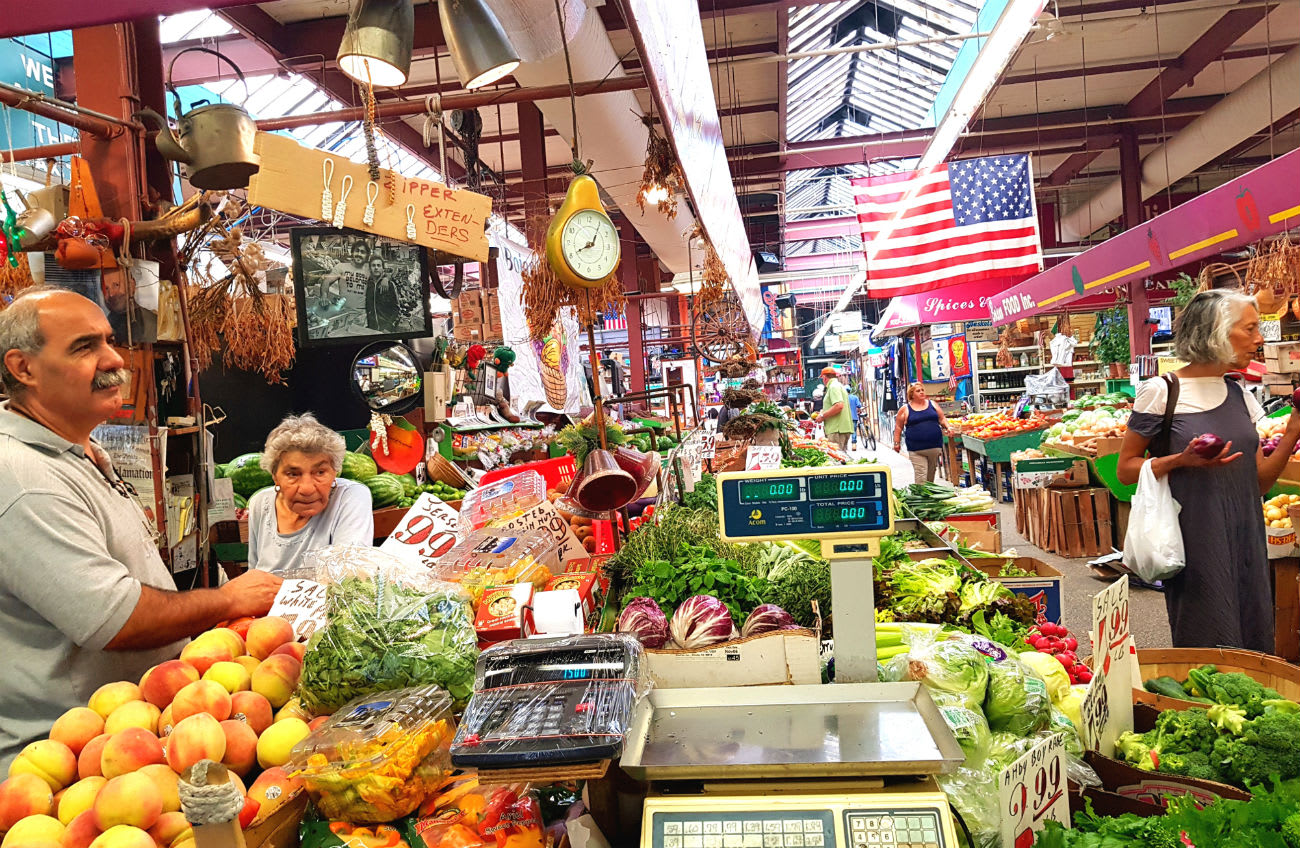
(854, 405)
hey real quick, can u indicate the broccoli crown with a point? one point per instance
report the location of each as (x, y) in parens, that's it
(1159, 832)
(1233, 687)
(1228, 717)
(1184, 731)
(1196, 764)
(1278, 733)
(1136, 748)
(1291, 830)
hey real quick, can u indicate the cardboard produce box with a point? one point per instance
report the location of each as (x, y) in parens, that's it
(1282, 357)
(1044, 588)
(468, 332)
(778, 657)
(1155, 788)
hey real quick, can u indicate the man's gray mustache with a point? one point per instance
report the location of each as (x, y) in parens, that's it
(110, 379)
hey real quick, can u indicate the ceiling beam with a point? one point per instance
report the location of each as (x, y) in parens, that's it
(613, 19)
(50, 17)
(1210, 46)
(1144, 65)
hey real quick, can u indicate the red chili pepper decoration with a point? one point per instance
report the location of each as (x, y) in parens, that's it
(1248, 210)
(1153, 245)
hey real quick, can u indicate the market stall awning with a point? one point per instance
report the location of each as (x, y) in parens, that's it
(1260, 203)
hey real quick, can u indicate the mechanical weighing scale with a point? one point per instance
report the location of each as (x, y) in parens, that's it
(840, 766)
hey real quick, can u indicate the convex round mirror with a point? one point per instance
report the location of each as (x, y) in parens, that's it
(388, 378)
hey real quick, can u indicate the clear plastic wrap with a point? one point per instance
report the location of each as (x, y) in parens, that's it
(465, 814)
(389, 624)
(487, 558)
(973, 793)
(942, 665)
(551, 701)
(379, 757)
(513, 495)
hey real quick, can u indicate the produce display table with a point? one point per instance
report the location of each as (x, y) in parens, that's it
(990, 461)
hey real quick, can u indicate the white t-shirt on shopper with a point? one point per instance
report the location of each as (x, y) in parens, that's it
(1195, 394)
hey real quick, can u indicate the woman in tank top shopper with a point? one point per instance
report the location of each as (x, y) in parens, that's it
(924, 425)
(1223, 596)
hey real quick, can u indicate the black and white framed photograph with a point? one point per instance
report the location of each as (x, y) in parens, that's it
(354, 286)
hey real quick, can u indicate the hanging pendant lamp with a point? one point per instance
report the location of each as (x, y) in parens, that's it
(479, 47)
(376, 46)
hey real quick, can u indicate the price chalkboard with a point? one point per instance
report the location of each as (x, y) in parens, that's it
(1031, 792)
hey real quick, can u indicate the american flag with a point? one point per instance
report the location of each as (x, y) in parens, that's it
(614, 321)
(967, 221)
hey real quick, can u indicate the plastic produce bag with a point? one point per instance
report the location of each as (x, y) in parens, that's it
(464, 814)
(379, 757)
(945, 666)
(389, 625)
(1153, 545)
(973, 793)
(967, 724)
(1017, 699)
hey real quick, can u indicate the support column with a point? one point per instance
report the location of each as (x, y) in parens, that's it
(1130, 175)
(532, 161)
(104, 59)
(630, 279)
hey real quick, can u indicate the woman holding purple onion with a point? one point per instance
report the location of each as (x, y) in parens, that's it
(1208, 448)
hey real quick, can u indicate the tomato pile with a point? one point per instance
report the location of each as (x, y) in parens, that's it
(995, 426)
(1055, 640)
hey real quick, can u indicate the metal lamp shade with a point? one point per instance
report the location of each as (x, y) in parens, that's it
(479, 47)
(376, 46)
(602, 485)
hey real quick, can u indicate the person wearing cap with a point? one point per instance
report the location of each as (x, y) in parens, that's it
(835, 415)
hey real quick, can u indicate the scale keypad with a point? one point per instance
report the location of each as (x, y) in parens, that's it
(788, 829)
(877, 829)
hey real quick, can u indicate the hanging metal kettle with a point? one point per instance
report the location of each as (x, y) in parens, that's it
(214, 141)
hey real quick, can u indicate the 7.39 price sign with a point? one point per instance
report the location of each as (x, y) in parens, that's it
(1031, 791)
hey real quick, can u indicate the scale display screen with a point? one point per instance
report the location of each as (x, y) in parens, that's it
(792, 503)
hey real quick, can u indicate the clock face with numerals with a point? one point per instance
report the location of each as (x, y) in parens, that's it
(590, 244)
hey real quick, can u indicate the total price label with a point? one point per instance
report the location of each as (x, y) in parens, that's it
(1031, 792)
(301, 603)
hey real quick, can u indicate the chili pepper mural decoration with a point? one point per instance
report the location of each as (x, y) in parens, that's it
(1077, 279)
(1153, 245)
(1248, 210)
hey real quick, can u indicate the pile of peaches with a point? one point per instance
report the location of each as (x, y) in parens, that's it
(107, 776)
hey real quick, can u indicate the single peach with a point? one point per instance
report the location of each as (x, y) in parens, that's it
(51, 761)
(130, 799)
(252, 709)
(198, 737)
(293, 709)
(21, 796)
(78, 798)
(297, 650)
(165, 723)
(110, 696)
(232, 639)
(276, 678)
(167, 783)
(241, 747)
(163, 681)
(169, 827)
(250, 664)
(34, 831)
(89, 762)
(81, 832)
(123, 836)
(203, 696)
(267, 634)
(128, 751)
(232, 676)
(76, 727)
(140, 714)
(204, 653)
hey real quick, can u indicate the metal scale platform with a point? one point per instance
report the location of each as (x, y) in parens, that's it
(850, 765)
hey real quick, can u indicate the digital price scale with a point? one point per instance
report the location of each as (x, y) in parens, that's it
(850, 765)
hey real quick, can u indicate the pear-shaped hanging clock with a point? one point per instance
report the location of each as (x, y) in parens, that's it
(582, 244)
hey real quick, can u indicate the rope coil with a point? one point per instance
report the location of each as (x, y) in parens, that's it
(209, 804)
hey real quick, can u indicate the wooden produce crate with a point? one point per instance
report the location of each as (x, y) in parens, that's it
(1273, 672)
(1067, 522)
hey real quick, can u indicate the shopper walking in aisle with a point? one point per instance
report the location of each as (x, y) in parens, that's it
(85, 599)
(924, 424)
(1223, 595)
(835, 416)
(855, 406)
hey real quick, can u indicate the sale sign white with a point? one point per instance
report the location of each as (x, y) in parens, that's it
(426, 532)
(1031, 792)
(1114, 658)
(302, 604)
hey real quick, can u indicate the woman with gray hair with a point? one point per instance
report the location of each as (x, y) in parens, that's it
(310, 506)
(1223, 596)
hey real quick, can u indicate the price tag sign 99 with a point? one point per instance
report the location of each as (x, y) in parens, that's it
(1095, 713)
(1031, 791)
(1110, 627)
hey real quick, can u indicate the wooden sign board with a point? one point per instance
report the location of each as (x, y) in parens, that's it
(291, 180)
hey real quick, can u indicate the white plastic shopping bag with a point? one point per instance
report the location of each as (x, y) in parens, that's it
(1153, 545)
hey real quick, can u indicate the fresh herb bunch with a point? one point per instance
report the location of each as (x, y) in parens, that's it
(767, 407)
(381, 635)
(796, 576)
(803, 458)
(1110, 340)
(700, 572)
(704, 495)
(674, 528)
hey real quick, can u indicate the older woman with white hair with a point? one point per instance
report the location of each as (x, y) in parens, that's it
(1223, 596)
(310, 506)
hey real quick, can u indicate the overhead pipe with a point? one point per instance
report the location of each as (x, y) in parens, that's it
(47, 151)
(87, 120)
(466, 100)
(1261, 100)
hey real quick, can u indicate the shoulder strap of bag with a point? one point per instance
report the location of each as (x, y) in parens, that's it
(1167, 426)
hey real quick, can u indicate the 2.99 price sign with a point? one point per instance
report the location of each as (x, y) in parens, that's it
(1095, 713)
(1032, 791)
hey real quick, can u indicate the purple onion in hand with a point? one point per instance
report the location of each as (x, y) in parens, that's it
(1207, 446)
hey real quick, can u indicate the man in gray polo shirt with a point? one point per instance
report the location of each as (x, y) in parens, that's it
(85, 599)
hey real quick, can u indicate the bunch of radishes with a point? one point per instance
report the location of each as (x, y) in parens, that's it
(1055, 639)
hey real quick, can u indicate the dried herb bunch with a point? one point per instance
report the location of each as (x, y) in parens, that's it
(661, 172)
(713, 274)
(226, 301)
(740, 398)
(14, 279)
(545, 295)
